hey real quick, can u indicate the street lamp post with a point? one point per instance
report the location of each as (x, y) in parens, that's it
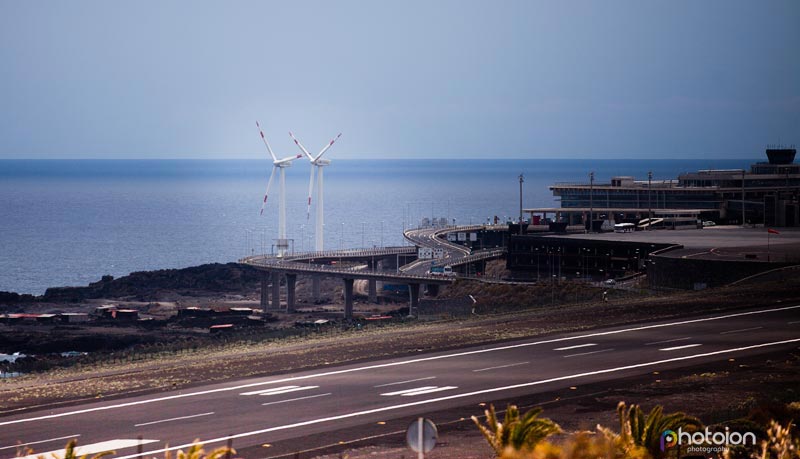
(381, 233)
(744, 220)
(591, 201)
(341, 238)
(521, 179)
(363, 230)
(649, 200)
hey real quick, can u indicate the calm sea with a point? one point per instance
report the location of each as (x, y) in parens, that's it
(70, 222)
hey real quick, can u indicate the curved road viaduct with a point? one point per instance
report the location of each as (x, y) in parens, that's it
(414, 274)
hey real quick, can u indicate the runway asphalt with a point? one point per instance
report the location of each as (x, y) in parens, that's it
(264, 410)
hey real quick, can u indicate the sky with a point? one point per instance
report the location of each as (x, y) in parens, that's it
(400, 79)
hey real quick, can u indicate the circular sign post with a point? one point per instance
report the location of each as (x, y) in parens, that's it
(421, 436)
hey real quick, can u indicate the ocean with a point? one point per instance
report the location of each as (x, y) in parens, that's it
(69, 222)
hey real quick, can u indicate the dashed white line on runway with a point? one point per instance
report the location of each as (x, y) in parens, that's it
(675, 348)
(405, 382)
(668, 341)
(574, 347)
(174, 419)
(587, 353)
(740, 330)
(501, 366)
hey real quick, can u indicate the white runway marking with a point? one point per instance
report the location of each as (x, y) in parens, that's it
(40, 441)
(296, 399)
(392, 364)
(462, 395)
(501, 366)
(419, 391)
(668, 341)
(740, 330)
(428, 391)
(174, 419)
(399, 392)
(94, 448)
(587, 353)
(280, 390)
(574, 347)
(675, 348)
(405, 382)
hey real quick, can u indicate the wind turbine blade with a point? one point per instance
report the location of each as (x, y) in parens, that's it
(274, 158)
(310, 191)
(297, 142)
(266, 194)
(330, 144)
(287, 159)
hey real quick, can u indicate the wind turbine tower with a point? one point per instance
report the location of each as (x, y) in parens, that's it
(278, 164)
(317, 165)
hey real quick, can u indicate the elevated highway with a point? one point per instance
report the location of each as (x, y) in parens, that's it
(328, 264)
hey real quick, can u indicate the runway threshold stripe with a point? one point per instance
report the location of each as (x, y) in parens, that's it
(174, 419)
(400, 392)
(259, 392)
(428, 391)
(463, 395)
(393, 364)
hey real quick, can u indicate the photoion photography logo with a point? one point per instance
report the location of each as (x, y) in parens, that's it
(706, 441)
(668, 440)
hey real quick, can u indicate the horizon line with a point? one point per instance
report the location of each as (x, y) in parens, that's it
(616, 158)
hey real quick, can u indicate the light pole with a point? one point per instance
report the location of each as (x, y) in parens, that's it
(591, 201)
(744, 220)
(363, 230)
(381, 233)
(341, 238)
(649, 200)
(521, 179)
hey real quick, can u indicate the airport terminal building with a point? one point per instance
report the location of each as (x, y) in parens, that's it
(766, 194)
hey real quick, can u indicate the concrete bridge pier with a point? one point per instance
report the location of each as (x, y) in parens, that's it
(372, 285)
(264, 291)
(316, 281)
(276, 290)
(291, 282)
(432, 289)
(413, 294)
(348, 298)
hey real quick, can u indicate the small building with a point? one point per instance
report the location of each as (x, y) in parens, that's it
(125, 315)
(74, 317)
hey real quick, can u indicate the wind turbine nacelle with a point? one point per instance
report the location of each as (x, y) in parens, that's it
(322, 162)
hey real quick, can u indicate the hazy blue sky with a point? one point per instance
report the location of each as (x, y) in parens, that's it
(519, 79)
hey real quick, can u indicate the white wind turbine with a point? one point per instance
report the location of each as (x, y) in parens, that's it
(317, 163)
(282, 164)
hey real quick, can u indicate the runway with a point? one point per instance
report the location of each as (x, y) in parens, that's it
(265, 410)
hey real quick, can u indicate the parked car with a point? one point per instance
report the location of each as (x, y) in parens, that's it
(708, 223)
(610, 282)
